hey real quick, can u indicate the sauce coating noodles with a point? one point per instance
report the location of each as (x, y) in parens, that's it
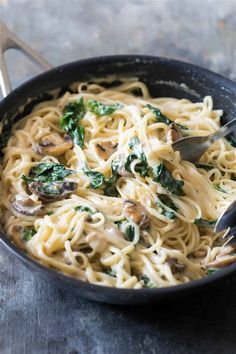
(146, 219)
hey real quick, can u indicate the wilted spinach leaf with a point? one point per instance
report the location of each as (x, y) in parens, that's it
(168, 202)
(142, 167)
(164, 177)
(126, 228)
(130, 232)
(77, 135)
(110, 272)
(28, 233)
(73, 113)
(161, 118)
(47, 172)
(148, 283)
(101, 109)
(211, 271)
(110, 188)
(96, 178)
(85, 208)
(219, 188)
(205, 223)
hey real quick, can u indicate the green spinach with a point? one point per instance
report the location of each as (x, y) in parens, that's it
(73, 113)
(110, 184)
(130, 232)
(110, 272)
(211, 271)
(164, 177)
(100, 109)
(165, 200)
(47, 172)
(77, 135)
(85, 208)
(219, 188)
(205, 223)
(47, 179)
(97, 179)
(148, 283)
(50, 212)
(141, 167)
(161, 118)
(28, 233)
(128, 229)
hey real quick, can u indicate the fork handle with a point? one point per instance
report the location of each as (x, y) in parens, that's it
(9, 40)
(223, 131)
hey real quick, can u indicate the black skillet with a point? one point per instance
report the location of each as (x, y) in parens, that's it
(164, 77)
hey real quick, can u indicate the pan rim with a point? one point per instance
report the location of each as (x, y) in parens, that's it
(123, 59)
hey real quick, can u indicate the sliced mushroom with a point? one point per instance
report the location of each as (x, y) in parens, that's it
(224, 258)
(222, 261)
(15, 233)
(199, 253)
(174, 133)
(136, 212)
(50, 192)
(228, 249)
(22, 204)
(54, 144)
(105, 149)
(175, 265)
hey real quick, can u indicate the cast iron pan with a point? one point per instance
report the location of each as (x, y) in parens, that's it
(164, 77)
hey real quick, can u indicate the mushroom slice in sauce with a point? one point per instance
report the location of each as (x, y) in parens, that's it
(54, 144)
(15, 233)
(50, 192)
(222, 261)
(224, 258)
(22, 204)
(136, 212)
(175, 265)
(174, 133)
(105, 149)
(228, 249)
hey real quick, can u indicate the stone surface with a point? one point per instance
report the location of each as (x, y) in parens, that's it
(36, 318)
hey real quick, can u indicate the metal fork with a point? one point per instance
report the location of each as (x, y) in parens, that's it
(227, 220)
(192, 148)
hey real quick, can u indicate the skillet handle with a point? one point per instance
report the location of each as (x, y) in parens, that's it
(9, 40)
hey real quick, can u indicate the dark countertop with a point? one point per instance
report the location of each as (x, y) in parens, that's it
(37, 318)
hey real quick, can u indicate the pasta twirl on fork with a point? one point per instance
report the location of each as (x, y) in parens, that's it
(90, 186)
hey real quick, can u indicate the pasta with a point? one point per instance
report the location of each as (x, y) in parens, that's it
(90, 186)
